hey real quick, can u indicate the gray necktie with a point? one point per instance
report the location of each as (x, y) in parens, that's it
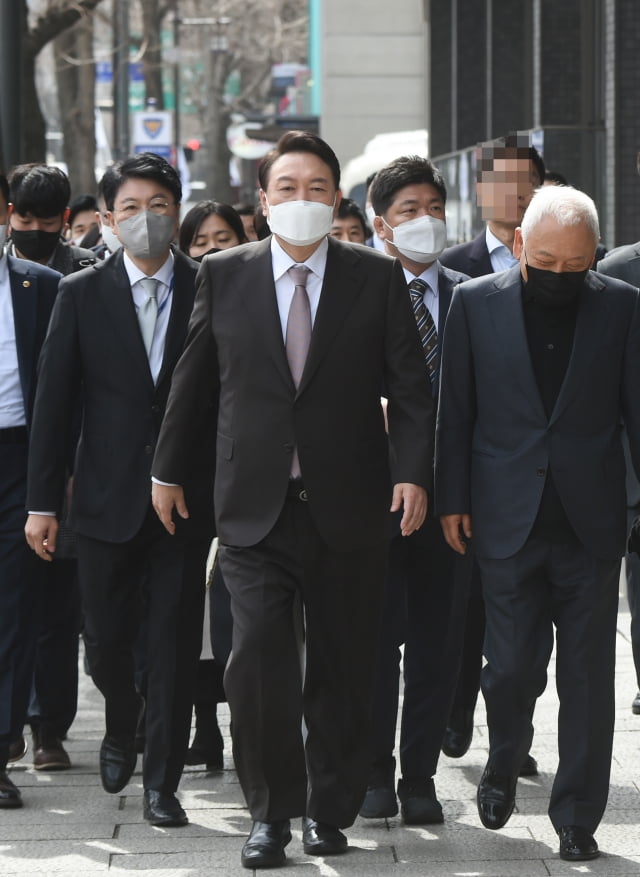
(298, 336)
(148, 312)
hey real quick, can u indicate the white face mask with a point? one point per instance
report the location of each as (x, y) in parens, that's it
(147, 235)
(371, 214)
(3, 238)
(300, 222)
(110, 238)
(421, 239)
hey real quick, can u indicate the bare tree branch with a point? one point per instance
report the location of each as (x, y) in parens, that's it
(61, 15)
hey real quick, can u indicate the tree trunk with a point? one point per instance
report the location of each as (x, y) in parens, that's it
(33, 124)
(216, 123)
(75, 72)
(152, 15)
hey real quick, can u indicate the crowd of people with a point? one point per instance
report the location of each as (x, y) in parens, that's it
(407, 453)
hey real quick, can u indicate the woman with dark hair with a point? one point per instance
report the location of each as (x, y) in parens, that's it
(208, 227)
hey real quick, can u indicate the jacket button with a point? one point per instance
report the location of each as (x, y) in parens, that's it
(541, 472)
(148, 449)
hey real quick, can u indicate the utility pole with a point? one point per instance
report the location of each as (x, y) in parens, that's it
(12, 23)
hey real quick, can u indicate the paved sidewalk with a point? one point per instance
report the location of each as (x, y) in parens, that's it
(70, 827)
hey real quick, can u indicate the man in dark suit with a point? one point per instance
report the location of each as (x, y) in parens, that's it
(425, 600)
(303, 487)
(508, 171)
(116, 333)
(539, 366)
(624, 263)
(27, 294)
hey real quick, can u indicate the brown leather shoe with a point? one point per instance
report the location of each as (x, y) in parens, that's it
(48, 751)
(9, 795)
(17, 750)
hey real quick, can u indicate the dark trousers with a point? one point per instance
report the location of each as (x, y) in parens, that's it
(632, 571)
(424, 608)
(156, 574)
(21, 578)
(545, 585)
(54, 697)
(468, 683)
(282, 776)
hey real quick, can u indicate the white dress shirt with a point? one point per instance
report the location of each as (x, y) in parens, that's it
(501, 256)
(165, 297)
(12, 411)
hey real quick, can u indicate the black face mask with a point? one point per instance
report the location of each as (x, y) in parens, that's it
(208, 253)
(555, 289)
(35, 244)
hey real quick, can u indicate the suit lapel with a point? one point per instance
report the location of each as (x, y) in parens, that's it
(590, 326)
(181, 307)
(114, 288)
(24, 297)
(259, 296)
(505, 306)
(340, 289)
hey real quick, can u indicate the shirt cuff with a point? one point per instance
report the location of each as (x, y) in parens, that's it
(163, 483)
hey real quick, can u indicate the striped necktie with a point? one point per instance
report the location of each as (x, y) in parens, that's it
(426, 329)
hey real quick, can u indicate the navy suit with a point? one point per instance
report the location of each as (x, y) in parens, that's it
(470, 258)
(425, 603)
(495, 445)
(33, 291)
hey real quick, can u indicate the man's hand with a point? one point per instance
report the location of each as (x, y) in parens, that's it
(453, 526)
(41, 532)
(165, 499)
(414, 500)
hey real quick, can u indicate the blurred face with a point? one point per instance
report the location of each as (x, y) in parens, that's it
(505, 191)
(554, 247)
(349, 230)
(249, 227)
(83, 221)
(299, 176)
(214, 232)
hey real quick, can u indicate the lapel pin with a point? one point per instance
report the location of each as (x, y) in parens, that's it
(26, 283)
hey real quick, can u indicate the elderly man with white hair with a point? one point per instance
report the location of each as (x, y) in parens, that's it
(539, 368)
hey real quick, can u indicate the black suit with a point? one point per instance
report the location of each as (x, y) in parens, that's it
(425, 603)
(624, 263)
(497, 447)
(331, 548)
(33, 291)
(128, 564)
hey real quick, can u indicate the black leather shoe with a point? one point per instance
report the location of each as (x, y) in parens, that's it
(380, 799)
(10, 796)
(159, 808)
(117, 762)
(496, 798)
(529, 768)
(458, 734)
(576, 844)
(322, 839)
(418, 802)
(635, 706)
(265, 845)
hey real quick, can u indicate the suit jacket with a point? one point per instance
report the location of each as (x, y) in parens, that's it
(494, 441)
(33, 292)
(624, 263)
(364, 336)
(471, 258)
(94, 347)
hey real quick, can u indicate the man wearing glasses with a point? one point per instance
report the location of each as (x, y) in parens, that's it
(115, 335)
